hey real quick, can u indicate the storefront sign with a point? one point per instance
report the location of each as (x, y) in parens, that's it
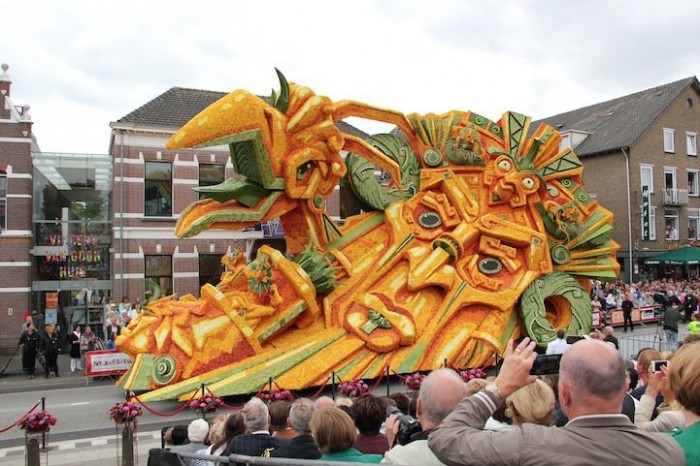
(76, 252)
(51, 300)
(646, 228)
(109, 362)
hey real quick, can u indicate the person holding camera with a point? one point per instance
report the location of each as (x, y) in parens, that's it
(439, 393)
(369, 412)
(591, 389)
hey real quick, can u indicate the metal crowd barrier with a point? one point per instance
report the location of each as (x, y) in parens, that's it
(260, 461)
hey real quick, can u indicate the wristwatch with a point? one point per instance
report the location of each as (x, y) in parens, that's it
(497, 395)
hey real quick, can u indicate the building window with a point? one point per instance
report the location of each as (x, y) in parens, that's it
(671, 222)
(158, 196)
(3, 200)
(565, 142)
(691, 143)
(669, 145)
(670, 178)
(210, 174)
(693, 183)
(693, 224)
(159, 275)
(210, 269)
(652, 223)
(647, 176)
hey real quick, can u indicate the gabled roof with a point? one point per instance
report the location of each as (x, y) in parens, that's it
(178, 105)
(619, 122)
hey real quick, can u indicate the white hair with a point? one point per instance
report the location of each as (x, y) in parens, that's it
(256, 416)
(197, 431)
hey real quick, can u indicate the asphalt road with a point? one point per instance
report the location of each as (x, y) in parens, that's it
(81, 411)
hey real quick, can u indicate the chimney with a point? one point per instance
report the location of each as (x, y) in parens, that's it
(5, 81)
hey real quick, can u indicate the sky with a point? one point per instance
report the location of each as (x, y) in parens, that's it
(81, 65)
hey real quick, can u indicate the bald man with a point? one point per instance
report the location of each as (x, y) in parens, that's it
(324, 402)
(439, 393)
(591, 390)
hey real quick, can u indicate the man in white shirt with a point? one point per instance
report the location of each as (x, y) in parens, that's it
(559, 345)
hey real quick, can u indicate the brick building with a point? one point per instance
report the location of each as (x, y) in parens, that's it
(16, 145)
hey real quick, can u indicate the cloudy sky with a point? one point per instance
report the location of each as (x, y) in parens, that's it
(84, 64)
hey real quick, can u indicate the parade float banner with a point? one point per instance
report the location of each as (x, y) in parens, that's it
(477, 231)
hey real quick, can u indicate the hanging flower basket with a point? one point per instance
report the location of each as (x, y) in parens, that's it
(353, 388)
(125, 412)
(275, 394)
(414, 381)
(37, 422)
(469, 374)
(205, 404)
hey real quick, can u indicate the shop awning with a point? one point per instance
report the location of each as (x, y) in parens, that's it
(687, 255)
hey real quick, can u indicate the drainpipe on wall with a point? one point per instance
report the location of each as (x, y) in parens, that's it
(121, 213)
(629, 216)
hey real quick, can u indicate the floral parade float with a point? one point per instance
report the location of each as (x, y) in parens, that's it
(484, 233)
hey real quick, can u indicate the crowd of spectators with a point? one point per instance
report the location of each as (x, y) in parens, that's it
(606, 296)
(599, 409)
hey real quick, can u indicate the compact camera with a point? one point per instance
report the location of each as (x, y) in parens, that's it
(657, 364)
(408, 425)
(546, 364)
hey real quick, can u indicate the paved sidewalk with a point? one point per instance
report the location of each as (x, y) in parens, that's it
(15, 379)
(105, 450)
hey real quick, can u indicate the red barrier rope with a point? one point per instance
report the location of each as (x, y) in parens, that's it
(158, 413)
(401, 377)
(237, 408)
(318, 392)
(376, 384)
(262, 389)
(5, 429)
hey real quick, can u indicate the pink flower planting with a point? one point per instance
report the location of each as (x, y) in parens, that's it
(205, 404)
(124, 412)
(276, 394)
(37, 421)
(353, 388)
(469, 374)
(414, 381)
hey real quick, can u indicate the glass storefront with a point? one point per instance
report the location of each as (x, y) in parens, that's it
(72, 236)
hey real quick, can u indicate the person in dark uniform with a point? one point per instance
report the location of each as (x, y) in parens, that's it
(30, 340)
(50, 346)
(627, 306)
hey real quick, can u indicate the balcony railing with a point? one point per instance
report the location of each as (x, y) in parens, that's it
(675, 196)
